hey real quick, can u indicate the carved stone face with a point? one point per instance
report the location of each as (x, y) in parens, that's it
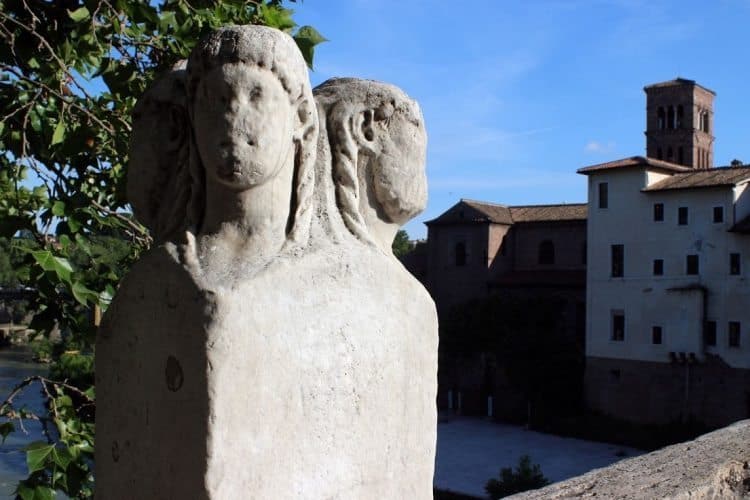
(399, 177)
(243, 124)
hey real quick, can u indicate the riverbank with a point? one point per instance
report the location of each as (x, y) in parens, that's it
(15, 365)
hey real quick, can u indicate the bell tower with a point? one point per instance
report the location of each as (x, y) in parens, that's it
(679, 123)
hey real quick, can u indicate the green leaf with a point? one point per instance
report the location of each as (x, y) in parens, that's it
(79, 14)
(37, 492)
(277, 17)
(36, 455)
(307, 38)
(58, 208)
(59, 134)
(62, 457)
(5, 429)
(50, 262)
(82, 294)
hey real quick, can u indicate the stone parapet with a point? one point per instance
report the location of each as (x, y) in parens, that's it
(714, 466)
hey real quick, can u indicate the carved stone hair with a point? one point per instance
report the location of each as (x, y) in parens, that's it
(342, 100)
(277, 52)
(159, 183)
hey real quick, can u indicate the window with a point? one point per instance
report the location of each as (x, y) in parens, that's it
(670, 117)
(658, 212)
(691, 264)
(658, 267)
(546, 252)
(618, 258)
(680, 116)
(734, 263)
(709, 333)
(659, 154)
(618, 326)
(734, 334)
(680, 156)
(718, 214)
(656, 335)
(660, 118)
(682, 216)
(460, 251)
(670, 154)
(603, 195)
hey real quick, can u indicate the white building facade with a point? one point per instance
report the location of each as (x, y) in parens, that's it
(668, 285)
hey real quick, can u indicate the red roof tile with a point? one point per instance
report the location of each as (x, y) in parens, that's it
(635, 161)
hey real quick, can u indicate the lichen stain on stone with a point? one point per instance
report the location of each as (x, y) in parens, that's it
(174, 375)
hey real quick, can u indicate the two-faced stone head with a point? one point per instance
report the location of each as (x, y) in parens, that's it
(380, 148)
(250, 101)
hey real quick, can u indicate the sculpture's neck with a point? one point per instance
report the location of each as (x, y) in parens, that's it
(380, 228)
(247, 227)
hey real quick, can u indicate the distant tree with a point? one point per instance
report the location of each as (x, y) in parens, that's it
(527, 476)
(401, 244)
(525, 337)
(736, 163)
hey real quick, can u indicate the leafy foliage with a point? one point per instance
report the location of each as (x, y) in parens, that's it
(70, 74)
(526, 476)
(524, 335)
(401, 244)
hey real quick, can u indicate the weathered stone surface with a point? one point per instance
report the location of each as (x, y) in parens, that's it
(714, 466)
(272, 346)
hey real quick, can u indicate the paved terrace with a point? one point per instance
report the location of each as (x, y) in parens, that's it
(471, 450)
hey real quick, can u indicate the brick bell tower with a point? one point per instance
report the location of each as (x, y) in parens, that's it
(679, 123)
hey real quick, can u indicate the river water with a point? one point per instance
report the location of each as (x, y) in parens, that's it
(16, 365)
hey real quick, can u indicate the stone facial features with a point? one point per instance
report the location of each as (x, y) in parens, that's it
(270, 345)
(242, 119)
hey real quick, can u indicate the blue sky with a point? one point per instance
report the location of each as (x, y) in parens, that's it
(518, 95)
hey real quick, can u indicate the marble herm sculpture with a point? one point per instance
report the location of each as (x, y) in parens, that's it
(270, 346)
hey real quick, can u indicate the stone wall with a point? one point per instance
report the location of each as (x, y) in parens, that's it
(714, 466)
(652, 393)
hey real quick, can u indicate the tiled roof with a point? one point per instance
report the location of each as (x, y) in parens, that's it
(493, 212)
(481, 211)
(635, 161)
(474, 211)
(710, 177)
(677, 82)
(540, 213)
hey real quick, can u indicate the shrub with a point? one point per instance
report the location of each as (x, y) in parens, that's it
(527, 476)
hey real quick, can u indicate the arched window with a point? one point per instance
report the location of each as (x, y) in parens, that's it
(703, 124)
(460, 251)
(680, 156)
(660, 118)
(546, 252)
(670, 117)
(670, 154)
(680, 116)
(659, 154)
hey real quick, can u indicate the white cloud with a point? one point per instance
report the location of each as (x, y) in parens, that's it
(599, 147)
